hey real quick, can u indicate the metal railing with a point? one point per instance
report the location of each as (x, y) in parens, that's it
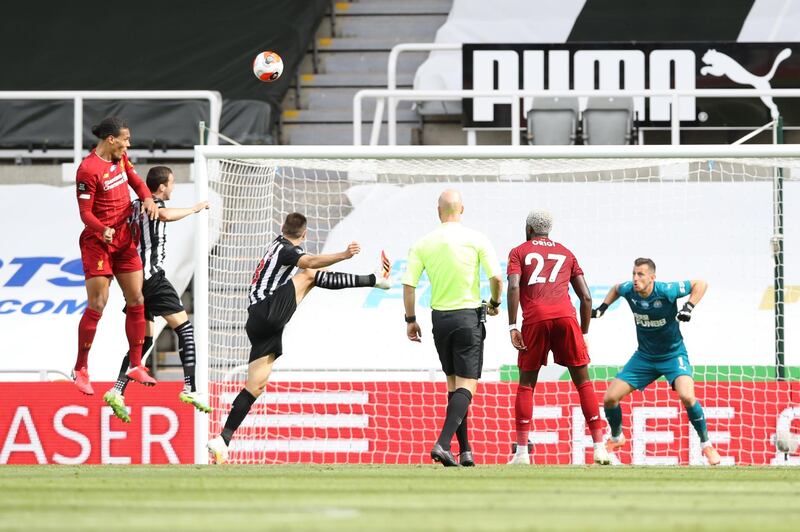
(214, 99)
(392, 96)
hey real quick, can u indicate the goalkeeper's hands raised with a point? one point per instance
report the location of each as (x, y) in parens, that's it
(685, 314)
(599, 311)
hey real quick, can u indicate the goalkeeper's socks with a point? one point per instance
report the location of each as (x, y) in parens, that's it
(591, 410)
(456, 410)
(239, 410)
(523, 411)
(339, 280)
(698, 420)
(461, 431)
(614, 418)
(122, 378)
(185, 333)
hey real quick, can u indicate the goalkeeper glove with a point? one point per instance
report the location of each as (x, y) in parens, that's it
(599, 311)
(685, 313)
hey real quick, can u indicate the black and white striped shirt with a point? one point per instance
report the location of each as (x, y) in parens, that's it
(277, 266)
(152, 238)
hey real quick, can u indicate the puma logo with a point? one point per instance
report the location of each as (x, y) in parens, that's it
(719, 64)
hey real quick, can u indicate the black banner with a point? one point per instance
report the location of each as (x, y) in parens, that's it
(636, 66)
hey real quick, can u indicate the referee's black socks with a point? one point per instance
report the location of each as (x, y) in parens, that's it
(338, 280)
(241, 406)
(457, 408)
(461, 431)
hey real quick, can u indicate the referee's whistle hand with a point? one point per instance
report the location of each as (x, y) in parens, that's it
(492, 311)
(413, 332)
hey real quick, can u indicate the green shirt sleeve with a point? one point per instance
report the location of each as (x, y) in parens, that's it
(414, 267)
(488, 258)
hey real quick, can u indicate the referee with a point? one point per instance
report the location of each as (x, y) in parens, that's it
(453, 255)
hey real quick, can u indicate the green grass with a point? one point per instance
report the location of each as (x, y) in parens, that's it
(403, 498)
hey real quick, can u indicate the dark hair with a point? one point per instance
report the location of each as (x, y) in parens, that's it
(110, 125)
(157, 176)
(643, 261)
(294, 225)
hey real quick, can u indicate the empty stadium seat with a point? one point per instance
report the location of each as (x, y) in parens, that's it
(608, 121)
(553, 121)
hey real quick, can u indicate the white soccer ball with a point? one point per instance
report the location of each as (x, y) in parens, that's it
(268, 66)
(786, 442)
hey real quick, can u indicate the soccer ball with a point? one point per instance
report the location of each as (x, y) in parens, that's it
(268, 66)
(786, 442)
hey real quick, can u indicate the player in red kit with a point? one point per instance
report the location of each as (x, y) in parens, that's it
(539, 274)
(107, 246)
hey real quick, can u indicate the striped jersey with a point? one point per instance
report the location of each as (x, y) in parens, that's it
(151, 236)
(277, 266)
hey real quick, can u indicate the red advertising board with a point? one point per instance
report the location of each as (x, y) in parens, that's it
(54, 423)
(398, 422)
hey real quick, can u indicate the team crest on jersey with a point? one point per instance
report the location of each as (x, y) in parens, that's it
(100, 264)
(657, 304)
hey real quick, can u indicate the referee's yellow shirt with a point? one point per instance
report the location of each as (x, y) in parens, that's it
(452, 255)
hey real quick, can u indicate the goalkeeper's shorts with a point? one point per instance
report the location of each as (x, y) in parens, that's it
(642, 369)
(266, 320)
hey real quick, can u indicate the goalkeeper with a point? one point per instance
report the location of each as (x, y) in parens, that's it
(661, 350)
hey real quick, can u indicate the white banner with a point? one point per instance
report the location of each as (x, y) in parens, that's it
(42, 294)
(719, 232)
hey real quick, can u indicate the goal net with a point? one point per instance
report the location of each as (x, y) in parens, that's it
(351, 388)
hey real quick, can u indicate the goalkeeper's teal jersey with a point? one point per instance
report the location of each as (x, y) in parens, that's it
(656, 325)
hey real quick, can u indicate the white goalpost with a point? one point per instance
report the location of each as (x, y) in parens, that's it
(351, 388)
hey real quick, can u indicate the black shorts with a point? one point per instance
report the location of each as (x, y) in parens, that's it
(267, 319)
(458, 335)
(160, 297)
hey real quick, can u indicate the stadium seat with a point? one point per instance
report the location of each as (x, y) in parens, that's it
(553, 121)
(608, 121)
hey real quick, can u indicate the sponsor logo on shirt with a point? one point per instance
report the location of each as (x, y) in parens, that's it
(116, 181)
(643, 320)
(543, 243)
(81, 187)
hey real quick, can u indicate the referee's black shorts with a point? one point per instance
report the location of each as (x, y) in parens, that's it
(160, 297)
(458, 335)
(267, 319)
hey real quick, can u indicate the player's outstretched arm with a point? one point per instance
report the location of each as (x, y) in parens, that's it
(612, 296)
(512, 298)
(173, 214)
(696, 293)
(585, 297)
(323, 261)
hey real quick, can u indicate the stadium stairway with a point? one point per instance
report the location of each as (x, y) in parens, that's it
(352, 52)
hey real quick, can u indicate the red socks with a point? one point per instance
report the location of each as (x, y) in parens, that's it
(134, 330)
(591, 411)
(523, 411)
(86, 330)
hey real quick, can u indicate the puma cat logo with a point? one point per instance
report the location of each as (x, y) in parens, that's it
(719, 64)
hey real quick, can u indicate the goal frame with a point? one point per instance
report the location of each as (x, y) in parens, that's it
(202, 154)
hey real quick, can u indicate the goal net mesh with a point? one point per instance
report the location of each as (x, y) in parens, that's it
(351, 388)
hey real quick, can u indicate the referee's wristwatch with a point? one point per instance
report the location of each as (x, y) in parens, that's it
(411, 319)
(493, 303)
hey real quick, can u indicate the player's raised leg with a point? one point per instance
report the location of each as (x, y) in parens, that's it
(97, 297)
(684, 385)
(131, 284)
(257, 377)
(611, 405)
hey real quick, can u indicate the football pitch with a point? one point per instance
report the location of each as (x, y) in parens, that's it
(318, 497)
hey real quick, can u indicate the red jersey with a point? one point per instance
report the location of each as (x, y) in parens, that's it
(102, 189)
(546, 269)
